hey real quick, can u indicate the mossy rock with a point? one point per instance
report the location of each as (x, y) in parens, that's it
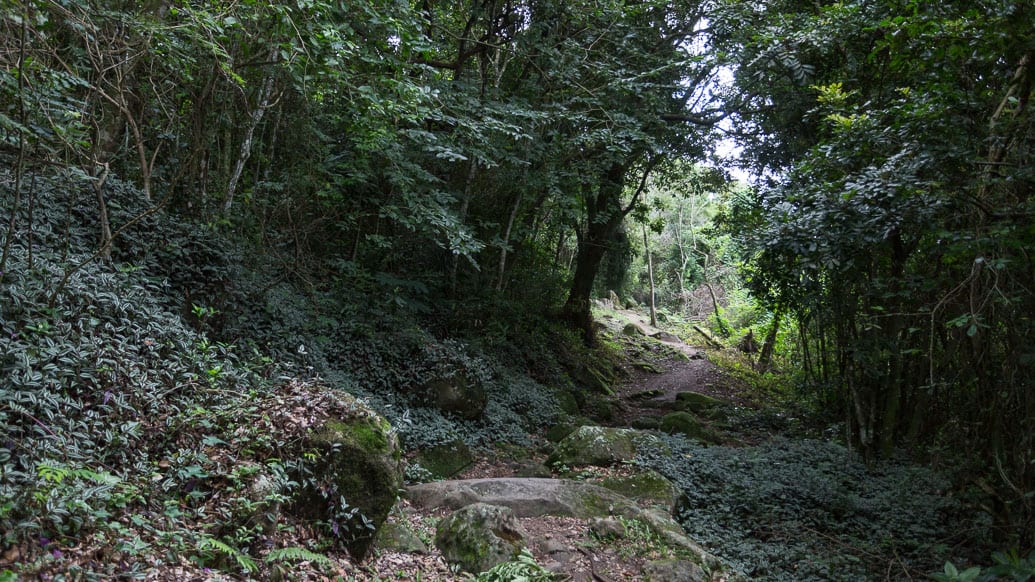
(646, 423)
(673, 571)
(666, 337)
(567, 402)
(601, 409)
(397, 537)
(650, 486)
(698, 403)
(594, 378)
(687, 424)
(601, 446)
(557, 432)
(633, 330)
(480, 536)
(358, 459)
(446, 459)
(459, 396)
(647, 367)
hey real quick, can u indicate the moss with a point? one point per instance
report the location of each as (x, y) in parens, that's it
(360, 461)
(695, 402)
(687, 424)
(567, 402)
(647, 486)
(368, 434)
(445, 460)
(559, 431)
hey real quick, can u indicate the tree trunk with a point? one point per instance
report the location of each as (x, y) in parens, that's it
(765, 358)
(650, 278)
(265, 94)
(506, 241)
(102, 207)
(587, 263)
(604, 214)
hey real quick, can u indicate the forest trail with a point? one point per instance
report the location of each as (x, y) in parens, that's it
(567, 545)
(651, 390)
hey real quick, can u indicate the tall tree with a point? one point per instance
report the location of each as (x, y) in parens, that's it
(902, 135)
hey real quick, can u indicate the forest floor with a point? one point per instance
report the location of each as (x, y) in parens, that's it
(567, 544)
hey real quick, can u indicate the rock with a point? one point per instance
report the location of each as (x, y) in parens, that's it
(531, 469)
(664, 336)
(562, 429)
(607, 528)
(687, 424)
(673, 571)
(646, 394)
(526, 497)
(596, 445)
(356, 459)
(567, 402)
(646, 423)
(601, 409)
(560, 497)
(672, 534)
(594, 379)
(480, 536)
(446, 459)
(397, 537)
(649, 486)
(613, 297)
(259, 500)
(552, 546)
(456, 395)
(631, 329)
(647, 367)
(698, 403)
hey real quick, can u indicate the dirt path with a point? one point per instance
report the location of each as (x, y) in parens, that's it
(566, 545)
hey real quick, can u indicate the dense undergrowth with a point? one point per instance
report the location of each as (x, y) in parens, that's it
(138, 390)
(809, 510)
(142, 392)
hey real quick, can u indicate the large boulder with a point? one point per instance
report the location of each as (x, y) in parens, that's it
(457, 395)
(480, 536)
(398, 537)
(351, 476)
(698, 403)
(566, 498)
(649, 486)
(445, 459)
(687, 424)
(674, 571)
(602, 446)
(527, 497)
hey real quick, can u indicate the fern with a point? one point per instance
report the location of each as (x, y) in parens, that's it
(522, 568)
(244, 561)
(297, 554)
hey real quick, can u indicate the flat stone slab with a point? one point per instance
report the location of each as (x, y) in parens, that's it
(562, 497)
(526, 497)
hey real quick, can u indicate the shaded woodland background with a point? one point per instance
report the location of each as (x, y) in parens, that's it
(484, 166)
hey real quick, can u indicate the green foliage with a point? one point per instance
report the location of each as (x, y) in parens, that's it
(792, 510)
(896, 224)
(1007, 566)
(297, 554)
(522, 568)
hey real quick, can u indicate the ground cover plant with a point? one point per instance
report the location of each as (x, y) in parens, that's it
(811, 510)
